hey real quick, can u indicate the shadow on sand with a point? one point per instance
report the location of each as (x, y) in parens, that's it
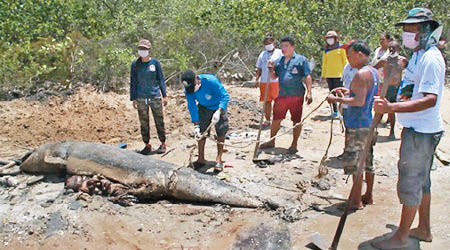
(413, 244)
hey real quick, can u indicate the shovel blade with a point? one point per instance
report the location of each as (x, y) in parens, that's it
(319, 241)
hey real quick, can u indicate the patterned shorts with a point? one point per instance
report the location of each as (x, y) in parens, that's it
(354, 145)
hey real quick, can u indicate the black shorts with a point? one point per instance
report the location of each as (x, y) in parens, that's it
(205, 116)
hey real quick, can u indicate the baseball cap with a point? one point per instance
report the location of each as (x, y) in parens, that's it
(188, 80)
(145, 44)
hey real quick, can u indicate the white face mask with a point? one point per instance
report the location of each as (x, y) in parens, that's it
(330, 41)
(269, 47)
(409, 40)
(143, 53)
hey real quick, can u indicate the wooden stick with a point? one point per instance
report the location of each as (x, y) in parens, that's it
(255, 153)
(9, 165)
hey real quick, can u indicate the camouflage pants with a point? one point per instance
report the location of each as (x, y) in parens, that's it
(144, 118)
(354, 145)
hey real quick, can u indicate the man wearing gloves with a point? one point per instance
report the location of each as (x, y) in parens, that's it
(207, 102)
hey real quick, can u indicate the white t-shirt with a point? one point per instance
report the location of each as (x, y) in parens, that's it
(347, 78)
(263, 58)
(426, 70)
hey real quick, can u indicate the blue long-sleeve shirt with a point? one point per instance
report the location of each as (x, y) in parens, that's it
(212, 95)
(146, 80)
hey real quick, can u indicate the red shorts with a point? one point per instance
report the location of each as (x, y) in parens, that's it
(292, 103)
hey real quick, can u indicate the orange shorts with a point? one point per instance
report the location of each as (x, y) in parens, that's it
(273, 91)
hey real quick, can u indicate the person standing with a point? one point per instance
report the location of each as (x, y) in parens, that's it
(293, 71)
(358, 118)
(264, 79)
(147, 85)
(422, 127)
(381, 54)
(347, 77)
(333, 63)
(392, 91)
(207, 101)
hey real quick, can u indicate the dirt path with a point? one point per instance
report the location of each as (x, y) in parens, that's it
(45, 216)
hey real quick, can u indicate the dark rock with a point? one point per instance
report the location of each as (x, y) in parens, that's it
(265, 236)
(55, 224)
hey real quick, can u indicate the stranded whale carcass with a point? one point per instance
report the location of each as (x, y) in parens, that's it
(145, 177)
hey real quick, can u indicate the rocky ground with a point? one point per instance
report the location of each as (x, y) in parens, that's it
(46, 216)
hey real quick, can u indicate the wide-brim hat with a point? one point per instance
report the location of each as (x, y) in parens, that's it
(419, 15)
(331, 33)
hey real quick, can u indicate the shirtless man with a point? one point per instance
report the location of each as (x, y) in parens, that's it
(358, 118)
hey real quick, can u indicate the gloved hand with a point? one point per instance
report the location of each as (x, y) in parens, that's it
(216, 117)
(197, 133)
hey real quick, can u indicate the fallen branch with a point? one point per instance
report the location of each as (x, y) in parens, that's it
(9, 165)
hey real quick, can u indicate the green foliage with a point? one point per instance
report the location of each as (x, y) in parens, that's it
(95, 41)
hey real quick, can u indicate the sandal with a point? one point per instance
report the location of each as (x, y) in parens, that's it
(218, 167)
(162, 149)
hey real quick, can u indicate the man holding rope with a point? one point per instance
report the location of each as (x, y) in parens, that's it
(358, 118)
(211, 110)
(422, 126)
(291, 69)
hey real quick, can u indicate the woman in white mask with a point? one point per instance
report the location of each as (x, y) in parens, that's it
(333, 63)
(148, 91)
(268, 87)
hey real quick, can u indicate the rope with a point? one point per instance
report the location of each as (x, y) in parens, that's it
(271, 138)
(205, 134)
(322, 168)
